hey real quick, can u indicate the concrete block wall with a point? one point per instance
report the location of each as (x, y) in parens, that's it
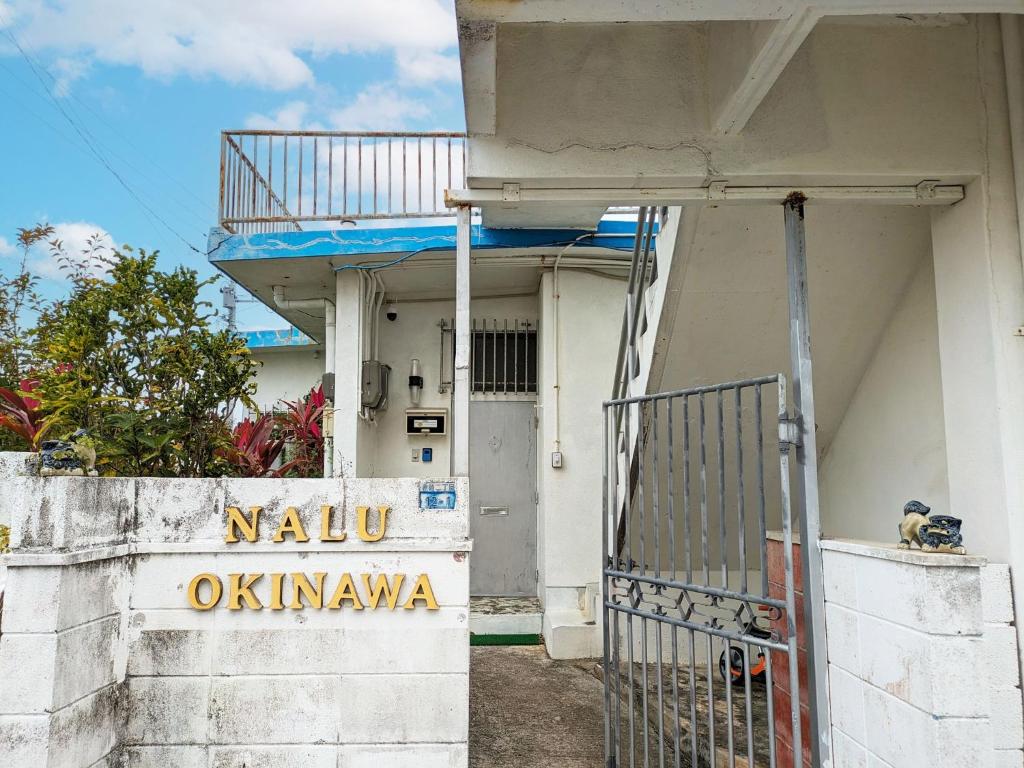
(61, 702)
(104, 659)
(908, 647)
(1002, 673)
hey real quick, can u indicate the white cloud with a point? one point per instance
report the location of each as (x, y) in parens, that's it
(66, 72)
(7, 247)
(258, 42)
(379, 107)
(76, 238)
(422, 67)
(290, 117)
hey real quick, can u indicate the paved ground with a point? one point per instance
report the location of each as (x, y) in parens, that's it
(527, 711)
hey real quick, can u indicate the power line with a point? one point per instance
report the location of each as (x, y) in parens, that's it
(199, 216)
(83, 134)
(77, 145)
(126, 140)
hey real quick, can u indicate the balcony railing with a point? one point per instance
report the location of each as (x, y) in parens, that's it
(273, 181)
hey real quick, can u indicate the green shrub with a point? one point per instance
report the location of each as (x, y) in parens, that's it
(131, 356)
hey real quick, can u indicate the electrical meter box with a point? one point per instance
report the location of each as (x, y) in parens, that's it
(375, 384)
(426, 421)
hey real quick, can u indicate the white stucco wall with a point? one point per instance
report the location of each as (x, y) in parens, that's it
(569, 534)
(286, 373)
(416, 334)
(890, 446)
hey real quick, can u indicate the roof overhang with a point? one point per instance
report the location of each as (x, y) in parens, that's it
(415, 262)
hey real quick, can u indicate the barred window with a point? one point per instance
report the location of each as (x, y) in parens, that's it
(504, 357)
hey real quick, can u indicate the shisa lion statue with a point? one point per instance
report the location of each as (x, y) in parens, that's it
(75, 457)
(938, 533)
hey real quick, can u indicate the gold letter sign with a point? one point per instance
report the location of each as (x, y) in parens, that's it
(348, 592)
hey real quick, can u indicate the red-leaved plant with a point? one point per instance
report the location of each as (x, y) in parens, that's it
(301, 424)
(254, 448)
(20, 414)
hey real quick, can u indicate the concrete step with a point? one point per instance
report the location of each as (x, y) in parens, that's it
(568, 635)
(505, 616)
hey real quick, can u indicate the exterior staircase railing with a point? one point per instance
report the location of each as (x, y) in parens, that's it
(641, 321)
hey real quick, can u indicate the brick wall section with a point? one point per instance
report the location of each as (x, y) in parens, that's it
(781, 694)
(907, 639)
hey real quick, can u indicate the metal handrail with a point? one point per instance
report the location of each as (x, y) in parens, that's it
(639, 281)
(272, 180)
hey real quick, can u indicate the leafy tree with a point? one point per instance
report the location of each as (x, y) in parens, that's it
(19, 301)
(132, 357)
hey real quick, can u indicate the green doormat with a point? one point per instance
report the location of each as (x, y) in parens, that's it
(475, 639)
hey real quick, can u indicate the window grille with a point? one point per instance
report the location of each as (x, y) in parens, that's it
(504, 357)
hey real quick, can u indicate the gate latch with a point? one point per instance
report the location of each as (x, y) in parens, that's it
(789, 432)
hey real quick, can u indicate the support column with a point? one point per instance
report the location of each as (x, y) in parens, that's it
(463, 335)
(980, 302)
(979, 292)
(807, 485)
(347, 374)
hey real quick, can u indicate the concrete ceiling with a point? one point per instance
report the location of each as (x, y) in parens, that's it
(573, 94)
(753, 40)
(733, 316)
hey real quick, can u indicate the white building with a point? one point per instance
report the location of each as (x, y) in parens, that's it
(900, 123)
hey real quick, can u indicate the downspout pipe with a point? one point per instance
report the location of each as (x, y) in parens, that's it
(330, 322)
(1013, 59)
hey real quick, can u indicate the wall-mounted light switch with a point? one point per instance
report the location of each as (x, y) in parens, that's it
(556, 459)
(415, 454)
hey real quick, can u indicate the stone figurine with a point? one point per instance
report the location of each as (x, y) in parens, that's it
(938, 533)
(75, 457)
(942, 534)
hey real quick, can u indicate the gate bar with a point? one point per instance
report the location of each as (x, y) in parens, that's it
(807, 484)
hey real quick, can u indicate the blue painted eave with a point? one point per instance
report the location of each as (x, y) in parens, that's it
(225, 247)
(270, 338)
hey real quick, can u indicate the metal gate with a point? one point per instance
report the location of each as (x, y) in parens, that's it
(699, 630)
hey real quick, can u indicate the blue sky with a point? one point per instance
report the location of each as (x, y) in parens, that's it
(150, 86)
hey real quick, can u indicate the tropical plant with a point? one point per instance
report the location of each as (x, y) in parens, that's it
(21, 416)
(301, 423)
(20, 302)
(254, 448)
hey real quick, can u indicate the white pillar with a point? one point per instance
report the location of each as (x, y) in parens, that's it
(978, 291)
(347, 374)
(460, 432)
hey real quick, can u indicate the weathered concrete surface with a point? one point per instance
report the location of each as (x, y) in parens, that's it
(105, 662)
(528, 711)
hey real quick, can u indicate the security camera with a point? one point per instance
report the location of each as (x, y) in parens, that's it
(391, 312)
